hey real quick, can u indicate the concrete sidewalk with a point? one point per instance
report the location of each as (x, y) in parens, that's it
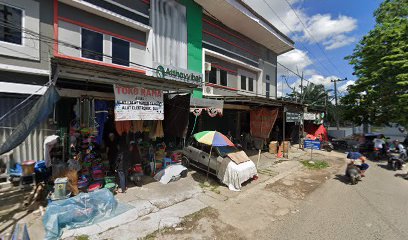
(157, 206)
(175, 200)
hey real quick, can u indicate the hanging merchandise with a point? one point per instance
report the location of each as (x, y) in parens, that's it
(101, 115)
(212, 112)
(137, 126)
(157, 130)
(123, 127)
(196, 111)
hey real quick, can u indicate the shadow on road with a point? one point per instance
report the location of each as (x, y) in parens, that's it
(342, 178)
(402, 175)
(385, 166)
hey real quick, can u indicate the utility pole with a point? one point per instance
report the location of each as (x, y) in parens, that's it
(301, 88)
(334, 81)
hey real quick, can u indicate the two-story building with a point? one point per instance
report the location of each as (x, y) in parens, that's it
(240, 50)
(86, 48)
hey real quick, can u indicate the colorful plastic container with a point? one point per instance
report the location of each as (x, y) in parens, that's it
(94, 186)
(28, 167)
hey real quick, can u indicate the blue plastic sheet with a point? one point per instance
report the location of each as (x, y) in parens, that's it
(40, 167)
(78, 211)
(17, 171)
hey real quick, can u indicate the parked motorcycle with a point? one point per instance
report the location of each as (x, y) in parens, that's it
(395, 163)
(136, 174)
(328, 146)
(354, 174)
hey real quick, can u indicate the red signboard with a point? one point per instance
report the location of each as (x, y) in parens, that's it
(262, 121)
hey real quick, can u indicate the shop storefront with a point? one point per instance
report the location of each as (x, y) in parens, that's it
(249, 120)
(103, 110)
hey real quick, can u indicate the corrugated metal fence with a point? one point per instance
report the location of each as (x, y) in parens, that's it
(32, 147)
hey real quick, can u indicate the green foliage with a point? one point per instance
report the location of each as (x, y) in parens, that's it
(316, 165)
(317, 97)
(380, 61)
(312, 95)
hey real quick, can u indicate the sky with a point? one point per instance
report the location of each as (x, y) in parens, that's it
(324, 32)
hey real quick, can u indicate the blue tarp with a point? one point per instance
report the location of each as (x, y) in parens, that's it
(78, 211)
(37, 114)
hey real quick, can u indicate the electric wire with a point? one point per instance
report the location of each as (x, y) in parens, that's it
(302, 45)
(315, 41)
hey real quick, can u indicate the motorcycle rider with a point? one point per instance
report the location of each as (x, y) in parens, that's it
(401, 150)
(358, 160)
(379, 143)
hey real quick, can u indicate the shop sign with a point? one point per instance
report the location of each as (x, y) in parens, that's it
(136, 103)
(292, 117)
(175, 73)
(309, 116)
(312, 144)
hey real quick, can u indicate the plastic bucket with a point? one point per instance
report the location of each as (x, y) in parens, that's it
(28, 167)
(111, 187)
(110, 180)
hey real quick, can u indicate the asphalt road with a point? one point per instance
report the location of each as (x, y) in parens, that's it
(375, 208)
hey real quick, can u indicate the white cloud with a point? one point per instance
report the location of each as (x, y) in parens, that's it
(330, 31)
(343, 88)
(325, 81)
(325, 28)
(296, 60)
(338, 41)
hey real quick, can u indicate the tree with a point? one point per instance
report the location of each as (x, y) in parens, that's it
(380, 60)
(315, 96)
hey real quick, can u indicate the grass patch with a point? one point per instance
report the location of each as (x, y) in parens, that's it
(82, 237)
(211, 187)
(316, 165)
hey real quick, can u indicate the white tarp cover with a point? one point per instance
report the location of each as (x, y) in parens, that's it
(172, 172)
(233, 175)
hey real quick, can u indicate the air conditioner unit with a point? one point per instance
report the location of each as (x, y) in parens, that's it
(209, 91)
(207, 67)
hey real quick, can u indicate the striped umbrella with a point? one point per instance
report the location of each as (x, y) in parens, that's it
(214, 139)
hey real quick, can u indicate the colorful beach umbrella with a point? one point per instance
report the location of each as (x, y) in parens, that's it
(213, 138)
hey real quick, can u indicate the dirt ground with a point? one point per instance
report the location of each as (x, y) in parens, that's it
(250, 214)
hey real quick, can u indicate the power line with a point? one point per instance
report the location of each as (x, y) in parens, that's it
(302, 45)
(48, 40)
(311, 35)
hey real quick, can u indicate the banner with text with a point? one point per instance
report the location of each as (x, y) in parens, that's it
(136, 103)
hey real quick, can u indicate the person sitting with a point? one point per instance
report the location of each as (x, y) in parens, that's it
(358, 160)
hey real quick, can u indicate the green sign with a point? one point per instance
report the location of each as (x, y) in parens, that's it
(175, 73)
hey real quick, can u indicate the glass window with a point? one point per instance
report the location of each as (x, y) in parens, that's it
(120, 51)
(10, 24)
(243, 82)
(223, 151)
(250, 84)
(212, 78)
(92, 44)
(268, 86)
(223, 78)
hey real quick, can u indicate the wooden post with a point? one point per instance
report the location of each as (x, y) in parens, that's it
(311, 154)
(259, 157)
(208, 166)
